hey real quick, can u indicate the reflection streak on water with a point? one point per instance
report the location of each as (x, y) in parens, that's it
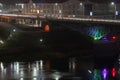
(26, 71)
(34, 78)
(41, 64)
(21, 70)
(90, 71)
(21, 79)
(1, 65)
(36, 71)
(17, 67)
(72, 65)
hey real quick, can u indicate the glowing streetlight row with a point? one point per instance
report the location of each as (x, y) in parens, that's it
(92, 19)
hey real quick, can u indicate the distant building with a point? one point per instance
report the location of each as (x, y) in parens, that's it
(43, 9)
(69, 8)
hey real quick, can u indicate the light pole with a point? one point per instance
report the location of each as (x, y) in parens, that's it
(115, 9)
(38, 13)
(55, 10)
(82, 5)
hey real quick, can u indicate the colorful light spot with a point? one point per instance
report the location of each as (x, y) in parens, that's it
(104, 73)
(114, 37)
(96, 32)
(47, 28)
(113, 72)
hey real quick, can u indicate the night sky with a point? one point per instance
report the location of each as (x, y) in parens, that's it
(49, 1)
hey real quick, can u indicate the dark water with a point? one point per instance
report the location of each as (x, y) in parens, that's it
(64, 69)
(75, 58)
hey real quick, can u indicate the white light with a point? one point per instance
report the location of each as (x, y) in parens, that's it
(22, 72)
(90, 71)
(116, 13)
(11, 66)
(37, 65)
(41, 40)
(35, 71)
(0, 10)
(60, 11)
(22, 6)
(73, 15)
(56, 76)
(56, 4)
(38, 11)
(14, 30)
(1, 41)
(34, 78)
(21, 78)
(112, 3)
(118, 59)
(1, 65)
(41, 64)
(17, 67)
(91, 13)
(1, 4)
(34, 5)
(81, 3)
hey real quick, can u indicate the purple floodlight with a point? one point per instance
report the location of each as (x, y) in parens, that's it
(105, 38)
(104, 73)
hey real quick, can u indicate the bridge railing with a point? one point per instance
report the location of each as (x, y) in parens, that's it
(35, 19)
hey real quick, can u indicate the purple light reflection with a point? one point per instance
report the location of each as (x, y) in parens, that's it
(104, 73)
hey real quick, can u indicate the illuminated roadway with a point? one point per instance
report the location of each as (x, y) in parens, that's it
(65, 18)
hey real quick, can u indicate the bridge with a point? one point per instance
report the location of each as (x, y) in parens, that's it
(21, 19)
(94, 27)
(101, 30)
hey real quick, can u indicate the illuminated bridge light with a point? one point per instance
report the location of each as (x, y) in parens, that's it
(109, 38)
(105, 38)
(47, 28)
(114, 37)
(96, 32)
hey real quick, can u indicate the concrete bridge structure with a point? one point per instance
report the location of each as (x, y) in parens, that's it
(96, 28)
(101, 30)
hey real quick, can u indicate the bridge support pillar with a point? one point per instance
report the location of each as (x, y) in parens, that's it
(72, 65)
(36, 23)
(23, 21)
(40, 23)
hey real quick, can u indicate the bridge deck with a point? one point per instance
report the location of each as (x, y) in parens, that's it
(91, 19)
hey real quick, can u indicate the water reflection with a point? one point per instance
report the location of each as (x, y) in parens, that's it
(40, 70)
(72, 64)
(27, 71)
(104, 73)
(1, 66)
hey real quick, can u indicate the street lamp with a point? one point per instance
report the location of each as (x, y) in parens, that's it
(82, 5)
(55, 9)
(115, 9)
(91, 13)
(60, 13)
